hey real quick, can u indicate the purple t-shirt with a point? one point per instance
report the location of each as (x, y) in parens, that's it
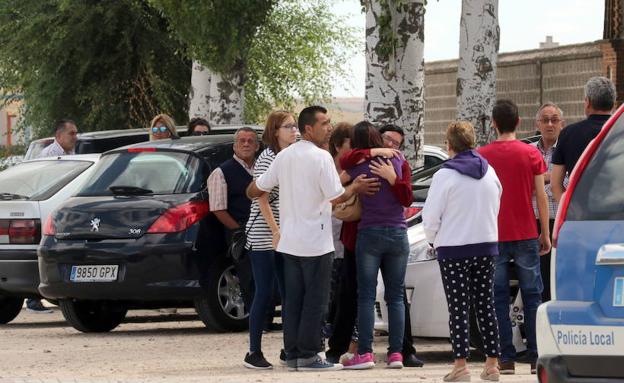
(382, 208)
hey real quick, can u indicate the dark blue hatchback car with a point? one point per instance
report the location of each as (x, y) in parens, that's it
(581, 331)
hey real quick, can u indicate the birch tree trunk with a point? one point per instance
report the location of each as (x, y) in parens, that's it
(199, 103)
(227, 98)
(476, 72)
(395, 82)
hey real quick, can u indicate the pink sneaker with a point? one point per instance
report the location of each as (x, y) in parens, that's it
(395, 360)
(360, 362)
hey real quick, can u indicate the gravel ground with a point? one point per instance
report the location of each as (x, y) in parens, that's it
(153, 347)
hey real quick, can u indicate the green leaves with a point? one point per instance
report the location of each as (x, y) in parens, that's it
(108, 64)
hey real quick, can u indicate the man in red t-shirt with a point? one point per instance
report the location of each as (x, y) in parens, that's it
(520, 169)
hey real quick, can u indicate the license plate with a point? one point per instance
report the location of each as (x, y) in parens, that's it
(94, 273)
(618, 292)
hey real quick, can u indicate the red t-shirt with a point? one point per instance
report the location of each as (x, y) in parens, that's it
(516, 165)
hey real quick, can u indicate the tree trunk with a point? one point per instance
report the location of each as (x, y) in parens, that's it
(200, 91)
(395, 81)
(476, 72)
(227, 98)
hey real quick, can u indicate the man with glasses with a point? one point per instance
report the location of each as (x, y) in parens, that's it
(549, 122)
(227, 199)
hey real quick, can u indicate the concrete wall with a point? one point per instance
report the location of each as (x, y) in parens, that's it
(529, 78)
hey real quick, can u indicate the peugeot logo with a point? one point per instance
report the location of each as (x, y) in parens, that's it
(95, 224)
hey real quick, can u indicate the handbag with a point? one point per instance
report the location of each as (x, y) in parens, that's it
(237, 250)
(350, 210)
(237, 245)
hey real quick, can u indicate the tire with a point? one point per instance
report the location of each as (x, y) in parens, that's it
(222, 308)
(10, 308)
(92, 316)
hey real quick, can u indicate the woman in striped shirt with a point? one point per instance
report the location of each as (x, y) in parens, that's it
(263, 234)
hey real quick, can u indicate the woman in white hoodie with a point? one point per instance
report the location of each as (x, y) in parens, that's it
(460, 220)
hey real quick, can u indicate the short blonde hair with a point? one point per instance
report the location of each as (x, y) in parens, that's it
(165, 120)
(460, 136)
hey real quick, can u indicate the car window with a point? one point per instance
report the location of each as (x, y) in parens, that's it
(431, 161)
(101, 145)
(39, 180)
(421, 181)
(598, 195)
(35, 148)
(160, 172)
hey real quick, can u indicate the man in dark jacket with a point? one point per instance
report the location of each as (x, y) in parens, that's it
(228, 202)
(599, 101)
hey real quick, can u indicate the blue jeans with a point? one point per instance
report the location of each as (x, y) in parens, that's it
(527, 265)
(386, 248)
(267, 267)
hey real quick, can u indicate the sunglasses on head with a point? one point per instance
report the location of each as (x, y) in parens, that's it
(159, 129)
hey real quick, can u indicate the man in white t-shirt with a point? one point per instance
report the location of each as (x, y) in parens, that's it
(308, 186)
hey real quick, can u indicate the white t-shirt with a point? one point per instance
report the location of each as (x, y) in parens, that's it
(307, 180)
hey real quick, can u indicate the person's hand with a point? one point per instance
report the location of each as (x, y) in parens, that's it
(384, 169)
(365, 185)
(385, 152)
(544, 243)
(275, 239)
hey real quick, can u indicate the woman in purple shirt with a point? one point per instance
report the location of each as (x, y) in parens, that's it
(381, 244)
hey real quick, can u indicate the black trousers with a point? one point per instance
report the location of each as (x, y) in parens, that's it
(469, 281)
(346, 308)
(545, 263)
(306, 287)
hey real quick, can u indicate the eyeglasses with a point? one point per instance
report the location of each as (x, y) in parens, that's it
(242, 141)
(200, 133)
(159, 129)
(391, 140)
(289, 126)
(552, 120)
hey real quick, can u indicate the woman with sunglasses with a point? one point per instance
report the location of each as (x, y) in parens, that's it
(198, 127)
(263, 234)
(162, 127)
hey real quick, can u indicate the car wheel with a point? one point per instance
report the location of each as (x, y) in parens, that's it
(10, 308)
(222, 308)
(92, 316)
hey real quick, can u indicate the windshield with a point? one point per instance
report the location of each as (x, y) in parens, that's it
(39, 180)
(35, 148)
(145, 173)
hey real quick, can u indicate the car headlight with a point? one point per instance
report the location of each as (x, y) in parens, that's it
(420, 251)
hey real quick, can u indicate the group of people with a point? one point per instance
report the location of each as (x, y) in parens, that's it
(486, 208)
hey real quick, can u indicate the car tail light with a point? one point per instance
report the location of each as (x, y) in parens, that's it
(139, 150)
(48, 228)
(180, 217)
(4, 230)
(587, 155)
(20, 231)
(411, 211)
(25, 231)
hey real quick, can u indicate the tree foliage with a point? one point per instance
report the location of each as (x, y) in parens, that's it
(217, 33)
(299, 53)
(106, 64)
(288, 49)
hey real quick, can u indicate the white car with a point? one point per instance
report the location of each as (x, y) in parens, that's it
(29, 192)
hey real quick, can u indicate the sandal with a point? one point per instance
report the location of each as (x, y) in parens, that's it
(458, 375)
(490, 373)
